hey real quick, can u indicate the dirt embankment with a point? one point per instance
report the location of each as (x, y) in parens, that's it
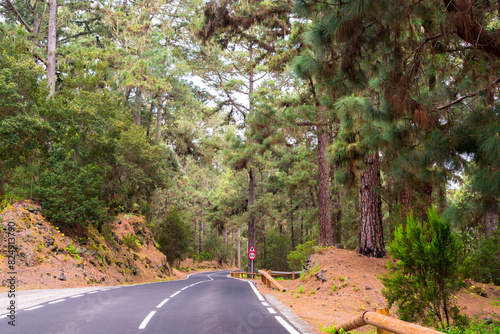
(346, 284)
(48, 257)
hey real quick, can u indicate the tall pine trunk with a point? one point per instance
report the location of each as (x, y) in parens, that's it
(292, 209)
(239, 247)
(200, 242)
(251, 177)
(325, 228)
(405, 199)
(158, 122)
(491, 218)
(138, 107)
(52, 40)
(371, 239)
(336, 213)
(232, 246)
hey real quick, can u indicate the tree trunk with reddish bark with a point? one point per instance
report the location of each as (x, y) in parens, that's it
(491, 218)
(405, 200)
(371, 240)
(325, 228)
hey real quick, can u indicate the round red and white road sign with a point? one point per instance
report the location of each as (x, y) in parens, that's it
(252, 256)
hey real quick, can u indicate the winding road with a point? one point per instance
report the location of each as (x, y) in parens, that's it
(210, 303)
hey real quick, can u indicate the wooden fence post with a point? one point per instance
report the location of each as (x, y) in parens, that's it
(383, 311)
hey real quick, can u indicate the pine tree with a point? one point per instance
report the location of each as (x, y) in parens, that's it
(239, 25)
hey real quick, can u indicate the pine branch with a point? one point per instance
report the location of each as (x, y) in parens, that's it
(468, 27)
(307, 123)
(493, 83)
(19, 17)
(236, 105)
(425, 41)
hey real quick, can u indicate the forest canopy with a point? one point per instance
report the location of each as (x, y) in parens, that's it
(256, 123)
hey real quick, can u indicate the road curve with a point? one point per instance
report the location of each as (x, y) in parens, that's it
(210, 303)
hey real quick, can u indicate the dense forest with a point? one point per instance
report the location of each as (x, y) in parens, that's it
(268, 123)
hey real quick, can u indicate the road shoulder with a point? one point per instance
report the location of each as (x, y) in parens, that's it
(294, 319)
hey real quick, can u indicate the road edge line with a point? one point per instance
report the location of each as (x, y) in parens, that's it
(303, 326)
(285, 324)
(256, 291)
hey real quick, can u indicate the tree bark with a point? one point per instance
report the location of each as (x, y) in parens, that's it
(336, 212)
(200, 242)
(325, 228)
(52, 41)
(158, 122)
(138, 107)
(239, 247)
(443, 201)
(426, 193)
(292, 209)
(405, 200)
(301, 231)
(371, 241)
(491, 218)
(232, 246)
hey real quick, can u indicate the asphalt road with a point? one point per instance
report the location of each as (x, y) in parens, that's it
(209, 303)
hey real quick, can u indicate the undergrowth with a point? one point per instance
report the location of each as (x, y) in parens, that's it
(477, 326)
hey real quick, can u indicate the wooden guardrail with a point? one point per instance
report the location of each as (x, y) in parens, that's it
(291, 274)
(288, 274)
(239, 274)
(384, 324)
(269, 280)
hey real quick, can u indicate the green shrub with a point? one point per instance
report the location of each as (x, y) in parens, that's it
(483, 264)
(132, 241)
(297, 258)
(73, 252)
(215, 245)
(475, 327)
(205, 256)
(69, 192)
(276, 246)
(173, 235)
(422, 281)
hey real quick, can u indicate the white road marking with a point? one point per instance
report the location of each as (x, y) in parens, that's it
(34, 308)
(3, 316)
(175, 294)
(287, 326)
(184, 288)
(271, 310)
(265, 304)
(145, 321)
(91, 292)
(162, 303)
(75, 296)
(256, 292)
(57, 301)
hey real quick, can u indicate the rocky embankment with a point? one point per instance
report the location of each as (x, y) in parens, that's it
(123, 251)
